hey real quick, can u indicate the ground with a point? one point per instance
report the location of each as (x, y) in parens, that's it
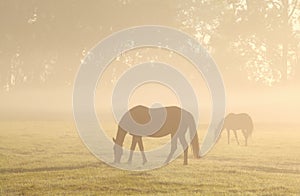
(38, 158)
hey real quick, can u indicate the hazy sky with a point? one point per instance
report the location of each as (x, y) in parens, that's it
(42, 43)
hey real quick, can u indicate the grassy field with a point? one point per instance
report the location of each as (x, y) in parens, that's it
(38, 158)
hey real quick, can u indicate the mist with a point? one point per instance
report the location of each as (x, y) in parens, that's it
(42, 48)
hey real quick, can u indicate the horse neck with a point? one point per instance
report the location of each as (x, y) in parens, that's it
(120, 136)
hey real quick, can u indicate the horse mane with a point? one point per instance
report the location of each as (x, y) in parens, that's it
(121, 133)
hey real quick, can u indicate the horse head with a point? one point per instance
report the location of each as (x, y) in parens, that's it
(118, 152)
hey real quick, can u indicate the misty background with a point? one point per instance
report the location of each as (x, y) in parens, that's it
(254, 43)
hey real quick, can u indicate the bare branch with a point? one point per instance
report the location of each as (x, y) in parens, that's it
(276, 4)
(294, 8)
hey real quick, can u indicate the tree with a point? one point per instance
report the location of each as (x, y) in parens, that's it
(258, 36)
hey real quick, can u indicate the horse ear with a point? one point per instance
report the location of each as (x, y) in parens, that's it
(114, 140)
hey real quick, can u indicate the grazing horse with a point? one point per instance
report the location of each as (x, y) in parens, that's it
(236, 122)
(176, 123)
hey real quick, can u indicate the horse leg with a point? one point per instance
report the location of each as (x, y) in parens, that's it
(236, 137)
(132, 147)
(141, 146)
(228, 135)
(185, 148)
(246, 136)
(173, 148)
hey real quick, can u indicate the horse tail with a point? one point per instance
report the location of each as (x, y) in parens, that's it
(250, 126)
(194, 137)
(250, 129)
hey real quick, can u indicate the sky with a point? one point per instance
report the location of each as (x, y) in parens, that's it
(44, 42)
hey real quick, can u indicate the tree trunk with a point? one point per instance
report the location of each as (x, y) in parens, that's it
(285, 42)
(284, 60)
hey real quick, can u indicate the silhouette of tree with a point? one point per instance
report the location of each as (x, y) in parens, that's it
(260, 37)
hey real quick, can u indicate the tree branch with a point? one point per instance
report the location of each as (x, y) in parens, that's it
(294, 8)
(276, 4)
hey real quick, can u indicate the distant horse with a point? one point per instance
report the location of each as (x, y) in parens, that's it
(236, 122)
(176, 123)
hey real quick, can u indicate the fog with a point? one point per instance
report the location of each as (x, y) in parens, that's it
(43, 43)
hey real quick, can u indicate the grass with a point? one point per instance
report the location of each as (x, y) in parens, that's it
(39, 158)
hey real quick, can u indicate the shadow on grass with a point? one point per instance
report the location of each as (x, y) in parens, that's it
(47, 169)
(271, 169)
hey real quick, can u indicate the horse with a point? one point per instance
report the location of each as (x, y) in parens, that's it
(236, 122)
(177, 121)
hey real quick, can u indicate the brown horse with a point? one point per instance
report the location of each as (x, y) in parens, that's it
(176, 123)
(236, 122)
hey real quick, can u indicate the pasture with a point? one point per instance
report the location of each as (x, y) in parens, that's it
(39, 158)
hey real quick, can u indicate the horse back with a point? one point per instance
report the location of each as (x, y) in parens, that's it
(175, 116)
(238, 121)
